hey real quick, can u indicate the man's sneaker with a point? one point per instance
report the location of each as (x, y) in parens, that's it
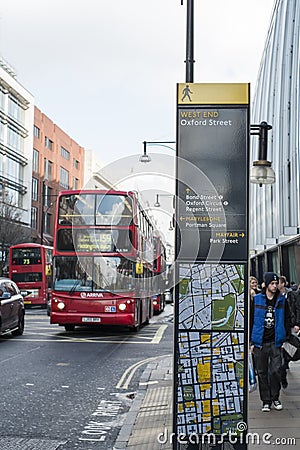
(266, 407)
(277, 405)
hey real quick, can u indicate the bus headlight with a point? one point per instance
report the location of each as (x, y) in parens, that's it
(122, 306)
(61, 305)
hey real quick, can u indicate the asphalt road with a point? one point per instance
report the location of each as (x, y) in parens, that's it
(72, 391)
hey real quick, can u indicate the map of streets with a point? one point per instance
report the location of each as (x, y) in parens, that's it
(211, 354)
(211, 296)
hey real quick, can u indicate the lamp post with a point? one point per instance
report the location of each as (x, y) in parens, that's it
(145, 158)
(262, 172)
(157, 204)
(189, 63)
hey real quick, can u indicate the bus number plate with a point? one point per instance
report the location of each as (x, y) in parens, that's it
(110, 309)
(91, 319)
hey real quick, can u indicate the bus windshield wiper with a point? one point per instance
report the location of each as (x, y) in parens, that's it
(73, 288)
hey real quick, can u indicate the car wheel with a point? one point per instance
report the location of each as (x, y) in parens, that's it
(19, 331)
(69, 327)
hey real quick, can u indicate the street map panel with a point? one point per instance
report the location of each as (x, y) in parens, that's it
(210, 348)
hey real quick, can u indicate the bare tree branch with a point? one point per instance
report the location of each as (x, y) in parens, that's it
(12, 230)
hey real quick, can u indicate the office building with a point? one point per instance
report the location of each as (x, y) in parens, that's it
(275, 209)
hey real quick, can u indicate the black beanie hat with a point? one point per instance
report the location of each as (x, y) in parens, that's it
(269, 277)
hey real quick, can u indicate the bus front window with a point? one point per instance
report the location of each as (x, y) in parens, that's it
(93, 274)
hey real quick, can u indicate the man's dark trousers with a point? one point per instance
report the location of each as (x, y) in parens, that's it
(268, 367)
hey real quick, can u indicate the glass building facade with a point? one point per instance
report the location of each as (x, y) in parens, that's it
(16, 137)
(275, 209)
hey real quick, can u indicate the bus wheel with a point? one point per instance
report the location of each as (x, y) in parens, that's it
(136, 328)
(138, 312)
(147, 321)
(19, 331)
(69, 327)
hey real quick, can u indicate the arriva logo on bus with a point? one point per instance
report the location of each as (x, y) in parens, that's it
(91, 294)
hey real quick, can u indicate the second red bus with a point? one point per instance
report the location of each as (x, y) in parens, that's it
(30, 267)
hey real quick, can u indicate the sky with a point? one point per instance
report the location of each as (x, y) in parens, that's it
(105, 71)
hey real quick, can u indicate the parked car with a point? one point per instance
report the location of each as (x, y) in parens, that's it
(12, 310)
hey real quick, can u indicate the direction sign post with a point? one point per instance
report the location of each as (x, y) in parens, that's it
(211, 341)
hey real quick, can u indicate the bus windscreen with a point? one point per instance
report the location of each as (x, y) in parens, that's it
(95, 209)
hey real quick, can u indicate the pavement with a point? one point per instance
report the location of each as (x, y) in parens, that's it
(151, 413)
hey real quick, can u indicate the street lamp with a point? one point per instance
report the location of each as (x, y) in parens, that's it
(171, 228)
(145, 158)
(157, 204)
(262, 172)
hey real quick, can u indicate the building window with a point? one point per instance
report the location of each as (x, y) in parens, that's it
(48, 196)
(64, 178)
(65, 153)
(34, 217)
(75, 163)
(75, 183)
(14, 140)
(14, 171)
(15, 110)
(2, 99)
(35, 160)
(47, 223)
(48, 169)
(1, 132)
(48, 143)
(35, 189)
(36, 131)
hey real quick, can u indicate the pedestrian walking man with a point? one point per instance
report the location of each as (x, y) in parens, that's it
(270, 322)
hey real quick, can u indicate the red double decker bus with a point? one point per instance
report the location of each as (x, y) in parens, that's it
(30, 267)
(102, 260)
(160, 275)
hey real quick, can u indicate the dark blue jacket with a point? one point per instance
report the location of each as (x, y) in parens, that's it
(259, 312)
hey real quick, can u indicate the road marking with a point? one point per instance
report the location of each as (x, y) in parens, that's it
(130, 371)
(99, 424)
(146, 383)
(150, 335)
(19, 354)
(79, 341)
(159, 334)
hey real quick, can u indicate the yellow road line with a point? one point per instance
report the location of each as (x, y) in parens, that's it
(130, 371)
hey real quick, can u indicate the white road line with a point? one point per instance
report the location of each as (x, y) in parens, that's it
(72, 341)
(148, 382)
(19, 354)
(159, 334)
